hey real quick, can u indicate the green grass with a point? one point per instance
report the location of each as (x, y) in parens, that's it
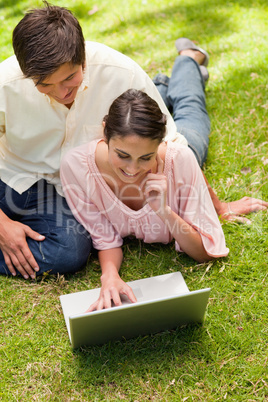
(226, 359)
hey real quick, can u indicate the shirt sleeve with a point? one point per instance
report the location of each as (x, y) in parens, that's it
(194, 203)
(2, 124)
(80, 190)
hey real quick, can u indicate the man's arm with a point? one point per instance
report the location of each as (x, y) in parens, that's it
(232, 211)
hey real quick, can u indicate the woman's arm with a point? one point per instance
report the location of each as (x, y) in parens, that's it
(79, 186)
(112, 286)
(186, 236)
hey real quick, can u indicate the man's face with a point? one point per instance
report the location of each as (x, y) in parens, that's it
(63, 84)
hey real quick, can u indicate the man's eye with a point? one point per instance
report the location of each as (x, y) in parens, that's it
(69, 78)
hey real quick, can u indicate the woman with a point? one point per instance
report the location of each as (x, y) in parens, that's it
(133, 183)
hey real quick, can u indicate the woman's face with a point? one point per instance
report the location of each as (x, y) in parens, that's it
(132, 157)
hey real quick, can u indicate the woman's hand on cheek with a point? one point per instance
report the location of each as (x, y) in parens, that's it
(155, 188)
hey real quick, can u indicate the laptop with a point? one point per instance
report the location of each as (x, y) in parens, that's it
(163, 302)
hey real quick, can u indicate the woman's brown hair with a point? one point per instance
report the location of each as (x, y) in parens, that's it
(134, 112)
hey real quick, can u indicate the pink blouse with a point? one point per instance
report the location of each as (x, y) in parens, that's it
(109, 220)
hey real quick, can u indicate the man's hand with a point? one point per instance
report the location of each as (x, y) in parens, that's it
(232, 211)
(15, 249)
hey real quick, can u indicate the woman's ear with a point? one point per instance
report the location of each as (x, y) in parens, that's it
(104, 136)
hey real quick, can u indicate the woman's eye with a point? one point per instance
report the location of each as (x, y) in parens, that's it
(146, 159)
(122, 156)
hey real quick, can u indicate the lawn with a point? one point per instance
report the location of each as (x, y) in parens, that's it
(226, 359)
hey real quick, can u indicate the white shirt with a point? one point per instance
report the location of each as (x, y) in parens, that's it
(36, 131)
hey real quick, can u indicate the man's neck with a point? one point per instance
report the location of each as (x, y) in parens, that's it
(69, 105)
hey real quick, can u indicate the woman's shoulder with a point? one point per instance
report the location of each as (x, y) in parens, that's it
(173, 154)
(81, 151)
(78, 158)
(162, 149)
(181, 163)
(177, 153)
(101, 153)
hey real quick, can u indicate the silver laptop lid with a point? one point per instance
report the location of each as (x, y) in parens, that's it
(164, 302)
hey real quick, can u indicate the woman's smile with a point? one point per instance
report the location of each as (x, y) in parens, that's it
(132, 157)
(129, 174)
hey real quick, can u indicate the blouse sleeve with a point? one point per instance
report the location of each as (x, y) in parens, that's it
(80, 190)
(194, 203)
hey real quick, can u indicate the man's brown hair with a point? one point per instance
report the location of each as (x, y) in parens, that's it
(47, 38)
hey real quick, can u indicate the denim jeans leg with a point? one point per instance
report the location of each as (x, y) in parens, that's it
(67, 244)
(186, 95)
(161, 82)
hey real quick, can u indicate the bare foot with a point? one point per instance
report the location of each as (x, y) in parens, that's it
(194, 54)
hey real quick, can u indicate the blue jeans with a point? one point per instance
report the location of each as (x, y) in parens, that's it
(184, 95)
(67, 244)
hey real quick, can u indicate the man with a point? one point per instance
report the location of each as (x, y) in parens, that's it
(53, 96)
